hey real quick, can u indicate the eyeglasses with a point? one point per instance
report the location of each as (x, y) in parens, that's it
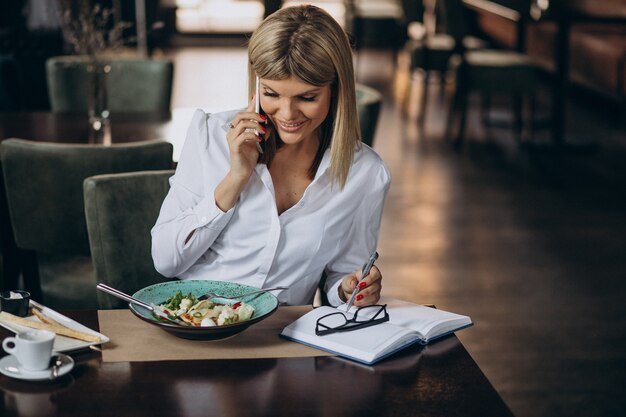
(363, 317)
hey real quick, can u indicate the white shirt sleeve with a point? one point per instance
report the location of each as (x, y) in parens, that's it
(361, 241)
(189, 220)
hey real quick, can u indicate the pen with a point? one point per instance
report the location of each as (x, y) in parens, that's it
(364, 272)
(257, 107)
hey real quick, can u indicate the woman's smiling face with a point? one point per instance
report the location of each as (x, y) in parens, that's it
(296, 109)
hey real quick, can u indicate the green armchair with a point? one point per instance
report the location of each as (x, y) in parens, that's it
(133, 85)
(120, 210)
(44, 190)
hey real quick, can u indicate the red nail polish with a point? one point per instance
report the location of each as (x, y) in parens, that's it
(259, 138)
(359, 297)
(263, 117)
(362, 285)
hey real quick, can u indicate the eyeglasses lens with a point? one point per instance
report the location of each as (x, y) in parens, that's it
(333, 321)
(368, 313)
(363, 317)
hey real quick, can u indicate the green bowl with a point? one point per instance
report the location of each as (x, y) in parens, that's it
(264, 304)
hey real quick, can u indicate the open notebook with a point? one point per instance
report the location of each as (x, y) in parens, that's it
(408, 324)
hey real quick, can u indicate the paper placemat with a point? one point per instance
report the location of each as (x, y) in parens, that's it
(134, 340)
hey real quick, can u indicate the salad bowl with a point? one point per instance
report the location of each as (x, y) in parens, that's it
(264, 304)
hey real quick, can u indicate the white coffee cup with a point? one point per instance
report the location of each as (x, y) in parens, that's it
(32, 348)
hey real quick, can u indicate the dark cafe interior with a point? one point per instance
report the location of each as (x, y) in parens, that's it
(502, 123)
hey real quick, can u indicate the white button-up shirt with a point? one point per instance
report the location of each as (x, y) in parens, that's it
(329, 230)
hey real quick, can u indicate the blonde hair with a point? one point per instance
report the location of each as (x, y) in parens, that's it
(307, 43)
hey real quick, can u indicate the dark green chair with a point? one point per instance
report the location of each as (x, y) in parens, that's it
(44, 190)
(133, 85)
(120, 210)
(368, 105)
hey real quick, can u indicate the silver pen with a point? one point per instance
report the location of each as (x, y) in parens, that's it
(364, 272)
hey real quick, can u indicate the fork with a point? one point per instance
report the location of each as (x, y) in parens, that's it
(148, 306)
(211, 295)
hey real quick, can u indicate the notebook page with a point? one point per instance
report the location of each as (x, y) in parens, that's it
(364, 344)
(422, 319)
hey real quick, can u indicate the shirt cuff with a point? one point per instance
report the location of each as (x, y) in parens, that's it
(333, 295)
(208, 214)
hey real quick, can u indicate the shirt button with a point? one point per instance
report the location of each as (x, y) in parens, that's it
(203, 219)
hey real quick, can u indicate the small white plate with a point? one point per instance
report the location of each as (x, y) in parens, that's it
(10, 367)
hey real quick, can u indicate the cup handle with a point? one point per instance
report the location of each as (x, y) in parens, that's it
(6, 342)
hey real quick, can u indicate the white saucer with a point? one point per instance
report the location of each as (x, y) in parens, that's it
(10, 367)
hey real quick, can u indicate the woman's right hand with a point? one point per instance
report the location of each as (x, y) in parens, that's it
(242, 140)
(244, 154)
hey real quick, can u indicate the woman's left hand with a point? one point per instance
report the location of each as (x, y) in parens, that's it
(370, 287)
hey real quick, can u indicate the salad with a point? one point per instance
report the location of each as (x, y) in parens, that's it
(205, 313)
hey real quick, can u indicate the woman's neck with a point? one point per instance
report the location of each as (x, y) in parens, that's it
(290, 172)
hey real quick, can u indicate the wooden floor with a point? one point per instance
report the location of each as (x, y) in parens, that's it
(530, 244)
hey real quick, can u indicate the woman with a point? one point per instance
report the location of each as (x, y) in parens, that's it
(310, 204)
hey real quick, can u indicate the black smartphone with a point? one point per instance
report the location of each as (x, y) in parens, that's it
(257, 109)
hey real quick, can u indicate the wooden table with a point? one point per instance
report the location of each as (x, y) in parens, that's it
(74, 128)
(438, 380)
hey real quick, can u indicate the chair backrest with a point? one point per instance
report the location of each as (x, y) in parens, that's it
(133, 85)
(120, 210)
(368, 102)
(44, 187)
